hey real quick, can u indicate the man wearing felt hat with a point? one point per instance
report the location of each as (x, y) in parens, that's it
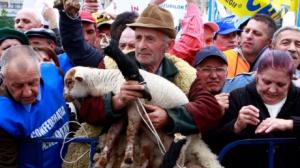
(10, 37)
(41, 37)
(154, 34)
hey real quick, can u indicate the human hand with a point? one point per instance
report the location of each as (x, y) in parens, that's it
(157, 2)
(274, 124)
(72, 7)
(223, 100)
(158, 116)
(129, 92)
(49, 15)
(247, 115)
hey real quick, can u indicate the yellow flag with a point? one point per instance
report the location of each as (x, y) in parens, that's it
(251, 7)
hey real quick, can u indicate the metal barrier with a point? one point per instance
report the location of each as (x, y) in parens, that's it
(91, 141)
(271, 142)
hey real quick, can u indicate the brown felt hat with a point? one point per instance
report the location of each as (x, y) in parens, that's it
(157, 18)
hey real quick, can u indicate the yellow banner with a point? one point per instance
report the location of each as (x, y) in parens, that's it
(251, 7)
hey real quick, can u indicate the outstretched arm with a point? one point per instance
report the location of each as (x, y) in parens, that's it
(191, 39)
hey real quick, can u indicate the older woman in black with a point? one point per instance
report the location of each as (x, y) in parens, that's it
(266, 108)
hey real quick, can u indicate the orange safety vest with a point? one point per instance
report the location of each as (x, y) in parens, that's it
(236, 63)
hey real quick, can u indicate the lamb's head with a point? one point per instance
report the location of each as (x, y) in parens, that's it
(75, 83)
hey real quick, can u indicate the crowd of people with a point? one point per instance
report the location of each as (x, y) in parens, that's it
(241, 82)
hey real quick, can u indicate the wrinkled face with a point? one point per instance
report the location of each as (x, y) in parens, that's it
(151, 46)
(289, 40)
(42, 42)
(272, 90)
(226, 42)
(23, 85)
(254, 37)
(213, 72)
(26, 20)
(74, 86)
(89, 33)
(8, 43)
(127, 40)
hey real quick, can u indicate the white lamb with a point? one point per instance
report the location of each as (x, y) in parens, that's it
(82, 81)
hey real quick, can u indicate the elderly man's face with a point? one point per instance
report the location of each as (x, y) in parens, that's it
(127, 40)
(22, 83)
(254, 37)
(26, 20)
(213, 72)
(273, 90)
(151, 46)
(7, 44)
(289, 40)
(42, 42)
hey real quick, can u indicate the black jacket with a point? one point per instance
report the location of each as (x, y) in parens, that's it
(255, 156)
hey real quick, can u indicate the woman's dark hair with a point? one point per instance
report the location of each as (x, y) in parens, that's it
(276, 59)
(120, 22)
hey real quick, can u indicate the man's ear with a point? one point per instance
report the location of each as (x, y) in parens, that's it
(170, 44)
(270, 44)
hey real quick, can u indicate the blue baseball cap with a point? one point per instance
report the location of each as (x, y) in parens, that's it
(210, 51)
(226, 27)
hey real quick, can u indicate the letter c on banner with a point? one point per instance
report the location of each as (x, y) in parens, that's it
(252, 7)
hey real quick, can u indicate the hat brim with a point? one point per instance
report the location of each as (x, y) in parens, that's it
(87, 20)
(169, 32)
(228, 31)
(22, 40)
(213, 26)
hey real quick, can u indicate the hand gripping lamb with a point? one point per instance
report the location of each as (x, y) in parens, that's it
(83, 81)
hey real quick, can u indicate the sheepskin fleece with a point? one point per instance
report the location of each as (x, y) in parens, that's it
(196, 153)
(184, 79)
(75, 150)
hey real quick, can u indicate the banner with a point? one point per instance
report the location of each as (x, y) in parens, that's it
(176, 7)
(251, 7)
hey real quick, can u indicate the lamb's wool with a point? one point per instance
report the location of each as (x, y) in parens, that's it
(184, 79)
(197, 153)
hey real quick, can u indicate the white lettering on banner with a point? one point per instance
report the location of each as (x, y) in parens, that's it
(60, 133)
(48, 124)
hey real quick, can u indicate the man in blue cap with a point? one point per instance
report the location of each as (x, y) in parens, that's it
(211, 65)
(227, 36)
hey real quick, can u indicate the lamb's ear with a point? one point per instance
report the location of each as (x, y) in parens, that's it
(79, 76)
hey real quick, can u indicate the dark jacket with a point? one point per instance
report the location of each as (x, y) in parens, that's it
(80, 52)
(255, 156)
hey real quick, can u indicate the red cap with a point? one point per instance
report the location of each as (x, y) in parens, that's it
(87, 17)
(212, 25)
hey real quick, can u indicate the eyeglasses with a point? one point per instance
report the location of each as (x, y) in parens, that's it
(208, 70)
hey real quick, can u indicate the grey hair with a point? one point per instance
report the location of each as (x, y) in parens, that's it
(19, 52)
(282, 29)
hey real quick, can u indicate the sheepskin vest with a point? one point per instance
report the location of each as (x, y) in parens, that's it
(184, 77)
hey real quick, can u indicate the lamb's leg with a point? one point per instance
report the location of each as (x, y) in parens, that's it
(132, 128)
(110, 138)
